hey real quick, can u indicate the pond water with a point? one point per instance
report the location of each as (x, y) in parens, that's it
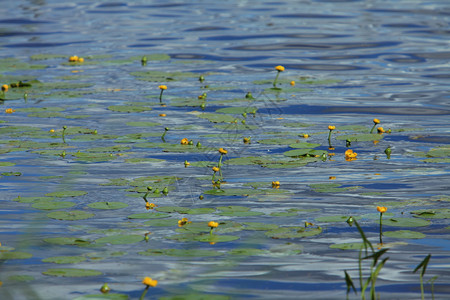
(82, 145)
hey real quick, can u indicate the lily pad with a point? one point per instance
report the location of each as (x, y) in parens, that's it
(360, 137)
(406, 222)
(304, 152)
(259, 226)
(214, 238)
(107, 205)
(237, 110)
(248, 252)
(64, 259)
(52, 205)
(161, 222)
(304, 145)
(196, 296)
(404, 234)
(149, 215)
(67, 241)
(143, 160)
(278, 141)
(128, 108)
(21, 278)
(120, 239)
(181, 252)
(70, 215)
(143, 124)
(14, 255)
(217, 118)
(171, 209)
(109, 296)
(200, 211)
(63, 194)
(293, 232)
(240, 213)
(348, 246)
(71, 272)
(439, 213)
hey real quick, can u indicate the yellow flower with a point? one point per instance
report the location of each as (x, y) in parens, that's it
(162, 87)
(376, 121)
(223, 151)
(215, 169)
(350, 155)
(183, 222)
(275, 184)
(184, 141)
(305, 135)
(5, 88)
(186, 163)
(279, 68)
(80, 60)
(150, 282)
(9, 110)
(213, 224)
(381, 209)
(246, 140)
(331, 127)
(52, 130)
(332, 178)
(380, 130)
(162, 115)
(293, 83)
(73, 58)
(150, 205)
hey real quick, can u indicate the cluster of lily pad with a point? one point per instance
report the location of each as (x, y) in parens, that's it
(68, 145)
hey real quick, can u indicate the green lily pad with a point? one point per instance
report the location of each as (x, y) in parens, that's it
(214, 238)
(240, 192)
(236, 126)
(360, 137)
(160, 76)
(64, 259)
(171, 209)
(67, 241)
(334, 218)
(240, 213)
(259, 226)
(200, 211)
(278, 141)
(217, 118)
(297, 125)
(128, 108)
(63, 194)
(161, 222)
(15, 255)
(181, 252)
(7, 164)
(196, 296)
(439, 213)
(406, 222)
(107, 205)
(21, 278)
(11, 174)
(143, 160)
(109, 296)
(348, 246)
(248, 252)
(284, 214)
(71, 272)
(233, 208)
(143, 124)
(70, 215)
(52, 205)
(47, 56)
(404, 234)
(443, 151)
(120, 239)
(304, 145)
(304, 152)
(293, 232)
(149, 215)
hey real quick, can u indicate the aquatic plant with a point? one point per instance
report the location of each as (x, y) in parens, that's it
(423, 265)
(279, 69)
(149, 282)
(162, 88)
(375, 123)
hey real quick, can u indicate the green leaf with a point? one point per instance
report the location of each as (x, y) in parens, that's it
(149, 215)
(181, 252)
(64, 259)
(120, 239)
(67, 241)
(237, 110)
(406, 222)
(143, 124)
(52, 205)
(348, 246)
(63, 194)
(71, 272)
(360, 137)
(107, 205)
(109, 296)
(15, 255)
(404, 234)
(70, 215)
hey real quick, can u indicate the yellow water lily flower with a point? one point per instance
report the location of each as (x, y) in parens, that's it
(184, 141)
(223, 151)
(213, 224)
(350, 155)
(216, 169)
(279, 68)
(381, 209)
(9, 110)
(183, 222)
(380, 130)
(150, 282)
(5, 87)
(73, 58)
(376, 121)
(275, 184)
(331, 127)
(162, 87)
(293, 83)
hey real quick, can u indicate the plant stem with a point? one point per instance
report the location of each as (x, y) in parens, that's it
(275, 81)
(160, 96)
(381, 228)
(143, 293)
(421, 287)
(374, 125)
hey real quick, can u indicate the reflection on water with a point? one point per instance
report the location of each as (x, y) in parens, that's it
(384, 59)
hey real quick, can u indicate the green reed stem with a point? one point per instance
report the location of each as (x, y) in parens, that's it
(276, 78)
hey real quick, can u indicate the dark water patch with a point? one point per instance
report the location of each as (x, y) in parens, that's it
(162, 5)
(269, 36)
(438, 76)
(328, 46)
(23, 21)
(435, 12)
(386, 186)
(207, 28)
(23, 33)
(43, 45)
(403, 25)
(161, 39)
(278, 285)
(439, 33)
(141, 45)
(112, 4)
(433, 139)
(98, 11)
(417, 111)
(310, 16)
(217, 58)
(312, 67)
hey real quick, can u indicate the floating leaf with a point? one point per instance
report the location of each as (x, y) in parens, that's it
(233, 208)
(348, 246)
(406, 222)
(67, 241)
(196, 296)
(248, 252)
(304, 152)
(149, 215)
(64, 259)
(278, 141)
(14, 255)
(128, 108)
(214, 238)
(7, 164)
(304, 145)
(237, 110)
(70, 215)
(217, 118)
(171, 209)
(161, 222)
(404, 234)
(52, 205)
(293, 232)
(143, 160)
(107, 205)
(11, 174)
(181, 252)
(335, 218)
(241, 213)
(71, 272)
(200, 211)
(143, 124)
(360, 137)
(21, 278)
(438, 213)
(120, 239)
(63, 194)
(109, 296)
(259, 226)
